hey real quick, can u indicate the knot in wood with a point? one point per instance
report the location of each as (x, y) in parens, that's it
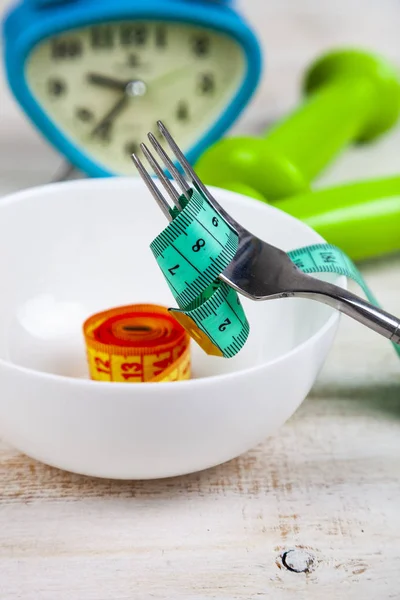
(299, 560)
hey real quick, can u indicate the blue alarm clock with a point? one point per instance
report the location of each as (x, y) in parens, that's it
(94, 76)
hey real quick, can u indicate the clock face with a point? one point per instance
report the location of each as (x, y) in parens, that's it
(105, 86)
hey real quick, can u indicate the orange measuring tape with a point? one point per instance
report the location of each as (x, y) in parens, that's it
(138, 343)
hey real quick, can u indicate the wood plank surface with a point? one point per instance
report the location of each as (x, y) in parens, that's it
(320, 497)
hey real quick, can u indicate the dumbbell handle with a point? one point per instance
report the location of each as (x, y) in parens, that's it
(363, 218)
(327, 122)
(352, 96)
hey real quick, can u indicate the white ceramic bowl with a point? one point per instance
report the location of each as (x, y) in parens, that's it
(69, 250)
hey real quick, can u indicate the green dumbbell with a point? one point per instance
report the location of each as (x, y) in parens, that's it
(362, 218)
(352, 96)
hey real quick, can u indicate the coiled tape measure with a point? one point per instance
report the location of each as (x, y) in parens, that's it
(135, 344)
(196, 247)
(143, 343)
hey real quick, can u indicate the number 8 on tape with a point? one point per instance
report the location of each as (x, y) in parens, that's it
(192, 252)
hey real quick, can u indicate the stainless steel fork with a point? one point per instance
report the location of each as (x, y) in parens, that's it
(259, 270)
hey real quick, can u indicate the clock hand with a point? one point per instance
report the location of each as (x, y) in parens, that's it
(106, 81)
(130, 88)
(117, 84)
(134, 88)
(108, 119)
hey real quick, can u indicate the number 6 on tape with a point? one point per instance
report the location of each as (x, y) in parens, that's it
(192, 252)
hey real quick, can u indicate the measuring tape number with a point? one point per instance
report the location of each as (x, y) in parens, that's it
(192, 252)
(134, 344)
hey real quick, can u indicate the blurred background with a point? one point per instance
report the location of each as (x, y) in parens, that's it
(293, 33)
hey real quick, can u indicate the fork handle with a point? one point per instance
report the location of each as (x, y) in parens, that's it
(353, 306)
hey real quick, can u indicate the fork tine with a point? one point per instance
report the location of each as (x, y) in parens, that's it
(192, 176)
(170, 165)
(169, 188)
(157, 195)
(181, 158)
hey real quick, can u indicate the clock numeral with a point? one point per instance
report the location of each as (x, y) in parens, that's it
(133, 60)
(102, 37)
(133, 35)
(66, 48)
(182, 112)
(56, 87)
(207, 83)
(132, 148)
(104, 132)
(201, 45)
(161, 36)
(84, 114)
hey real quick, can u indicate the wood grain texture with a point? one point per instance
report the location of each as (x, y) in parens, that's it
(327, 485)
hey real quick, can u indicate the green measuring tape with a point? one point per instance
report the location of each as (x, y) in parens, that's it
(192, 252)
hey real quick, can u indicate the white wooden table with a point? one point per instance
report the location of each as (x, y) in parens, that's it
(325, 489)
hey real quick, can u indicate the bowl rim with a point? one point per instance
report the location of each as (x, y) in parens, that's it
(330, 323)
